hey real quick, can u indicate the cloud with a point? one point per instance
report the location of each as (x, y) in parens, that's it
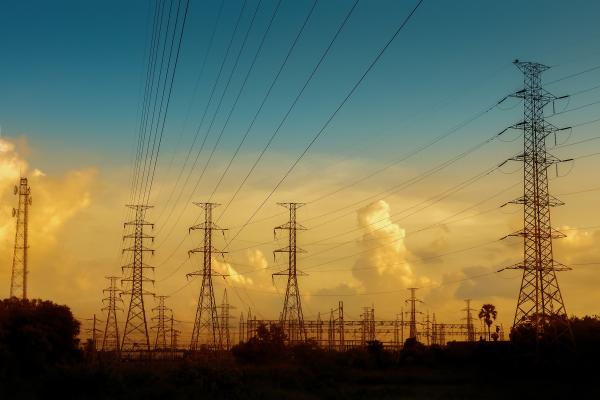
(383, 264)
(233, 275)
(56, 201)
(482, 282)
(257, 259)
(343, 289)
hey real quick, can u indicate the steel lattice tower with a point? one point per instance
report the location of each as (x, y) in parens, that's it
(540, 299)
(161, 343)
(368, 325)
(110, 340)
(469, 319)
(135, 334)
(93, 331)
(18, 282)
(412, 300)
(207, 319)
(225, 318)
(173, 333)
(292, 319)
(428, 329)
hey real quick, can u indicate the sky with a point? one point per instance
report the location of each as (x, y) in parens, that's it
(72, 88)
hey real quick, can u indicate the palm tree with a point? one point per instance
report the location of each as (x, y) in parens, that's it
(488, 314)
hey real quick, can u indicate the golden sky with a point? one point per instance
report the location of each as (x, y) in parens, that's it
(369, 257)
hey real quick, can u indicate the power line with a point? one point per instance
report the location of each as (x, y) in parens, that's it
(216, 112)
(292, 105)
(193, 98)
(415, 179)
(266, 96)
(573, 75)
(162, 129)
(154, 90)
(201, 123)
(319, 133)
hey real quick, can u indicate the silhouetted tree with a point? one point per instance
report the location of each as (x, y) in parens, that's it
(268, 344)
(36, 333)
(488, 314)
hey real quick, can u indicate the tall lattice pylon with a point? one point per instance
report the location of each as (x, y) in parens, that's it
(469, 319)
(135, 334)
(206, 329)
(18, 282)
(173, 333)
(93, 332)
(540, 299)
(412, 301)
(161, 311)
(112, 301)
(292, 319)
(225, 317)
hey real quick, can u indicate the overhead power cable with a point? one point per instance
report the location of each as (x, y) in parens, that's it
(332, 116)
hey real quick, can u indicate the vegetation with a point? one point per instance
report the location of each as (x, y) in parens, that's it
(488, 314)
(40, 336)
(35, 335)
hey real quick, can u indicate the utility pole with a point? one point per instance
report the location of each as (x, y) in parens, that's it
(396, 340)
(434, 331)
(160, 343)
(110, 340)
(469, 319)
(292, 319)
(412, 300)
(206, 323)
(319, 330)
(18, 282)
(135, 334)
(341, 327)
(402, 326)
(540, 300)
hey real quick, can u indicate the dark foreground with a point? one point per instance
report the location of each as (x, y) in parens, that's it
(332, 378)
(41, 358)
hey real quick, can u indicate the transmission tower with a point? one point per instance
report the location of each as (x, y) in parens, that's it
(110, 341)
(368, 325)
(540, 300)
(160, 343)
(206, 323)
(173, 334)
(93, 331)
(18, 282)
(428, 329)
(412, 300)
(469, 319)
(135, 335)
(241, 329)
(292, 319)
(225, 330)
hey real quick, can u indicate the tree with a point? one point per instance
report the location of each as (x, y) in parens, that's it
(267, 345)
(488, 314)
(36, 333)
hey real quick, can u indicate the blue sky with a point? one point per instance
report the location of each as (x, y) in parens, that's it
(71, 70)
